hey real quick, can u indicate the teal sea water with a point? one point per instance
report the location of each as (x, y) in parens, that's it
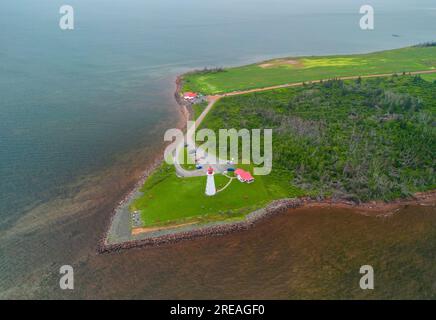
(83, 112)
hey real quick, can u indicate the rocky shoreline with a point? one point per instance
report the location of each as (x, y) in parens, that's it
(274, 208)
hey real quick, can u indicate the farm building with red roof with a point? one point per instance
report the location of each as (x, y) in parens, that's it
(189, 96)
(244, 176)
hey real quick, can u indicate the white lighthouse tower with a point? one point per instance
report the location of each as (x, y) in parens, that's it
(210, 184)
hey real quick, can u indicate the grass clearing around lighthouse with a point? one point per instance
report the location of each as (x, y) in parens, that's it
(168, 199)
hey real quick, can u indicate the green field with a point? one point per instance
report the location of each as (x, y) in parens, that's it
(291, 70)
(168, 199)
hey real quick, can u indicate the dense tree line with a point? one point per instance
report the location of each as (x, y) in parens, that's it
(358, 140)
(207, 70)
(426, 44)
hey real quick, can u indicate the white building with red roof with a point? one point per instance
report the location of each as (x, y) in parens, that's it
(244, 176)
(190, 96)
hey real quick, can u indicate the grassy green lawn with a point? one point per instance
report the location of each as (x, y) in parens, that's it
(168, 199)
(289, 70)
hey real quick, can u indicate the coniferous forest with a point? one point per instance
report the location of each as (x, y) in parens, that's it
(360, 140)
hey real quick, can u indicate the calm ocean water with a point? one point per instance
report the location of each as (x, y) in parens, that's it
(83, 112)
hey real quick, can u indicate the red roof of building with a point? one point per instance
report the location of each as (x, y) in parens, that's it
(244, 174)
(190, 94)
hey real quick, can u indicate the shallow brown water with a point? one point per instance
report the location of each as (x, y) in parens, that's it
(305, 253)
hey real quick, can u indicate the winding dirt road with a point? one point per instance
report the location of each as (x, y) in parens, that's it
(213, 99)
